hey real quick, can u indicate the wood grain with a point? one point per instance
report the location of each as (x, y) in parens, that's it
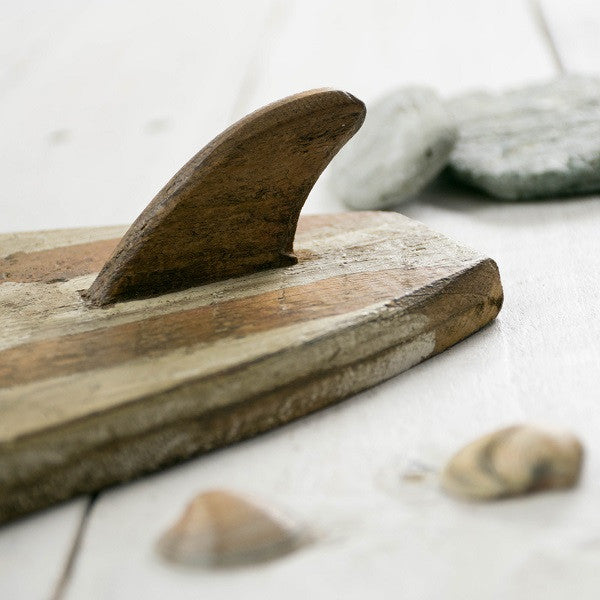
(95, 396)
(233, 208)
(56, 264)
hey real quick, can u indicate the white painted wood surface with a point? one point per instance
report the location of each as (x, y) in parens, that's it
(35, 552)
(101, 113)
(574, 29)
(122, 94)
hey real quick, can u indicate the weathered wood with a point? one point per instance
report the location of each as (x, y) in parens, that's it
(233, 208)
(91, 396)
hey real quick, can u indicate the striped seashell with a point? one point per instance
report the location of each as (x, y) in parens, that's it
(513, 461)
(220, 529)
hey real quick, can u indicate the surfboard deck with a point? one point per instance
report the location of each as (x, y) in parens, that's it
(90, 397)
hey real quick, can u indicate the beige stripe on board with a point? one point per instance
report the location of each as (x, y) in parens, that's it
(340, 245)
(204, 376)
(65, 262)
(223, 372)
(103, 348)
(29, 263)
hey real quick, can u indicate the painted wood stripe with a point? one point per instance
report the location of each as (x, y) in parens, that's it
(338, 244)
(74, 260)
(102, 348)
(56, 264)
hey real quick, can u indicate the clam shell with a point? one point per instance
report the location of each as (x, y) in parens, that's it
(513, 461)
(221, 529)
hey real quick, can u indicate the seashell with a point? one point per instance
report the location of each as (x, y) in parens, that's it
(513, 461)
(220, 529)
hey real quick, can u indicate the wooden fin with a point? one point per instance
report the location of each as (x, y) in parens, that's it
(234, 207)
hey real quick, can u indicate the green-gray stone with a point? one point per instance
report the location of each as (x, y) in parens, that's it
(404, 143)
(534, 142)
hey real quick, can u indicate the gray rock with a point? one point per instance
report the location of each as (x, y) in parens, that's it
(537, 141)
(405, 142)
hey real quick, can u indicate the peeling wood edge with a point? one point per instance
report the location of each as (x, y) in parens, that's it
(184, 438)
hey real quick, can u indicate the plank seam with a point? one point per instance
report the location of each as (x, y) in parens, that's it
(541, 24)
(69, 566)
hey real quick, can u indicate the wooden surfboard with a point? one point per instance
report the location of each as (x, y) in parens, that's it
(91, 396)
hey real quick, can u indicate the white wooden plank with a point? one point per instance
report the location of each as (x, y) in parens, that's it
(574, 29)
(341, 470)
(116, 103)
(368, 48)
(34, 551)
(28, 30)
